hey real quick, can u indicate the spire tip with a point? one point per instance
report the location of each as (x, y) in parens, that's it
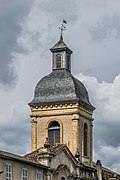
(62, 28)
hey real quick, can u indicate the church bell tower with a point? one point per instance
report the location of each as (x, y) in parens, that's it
(61, 110)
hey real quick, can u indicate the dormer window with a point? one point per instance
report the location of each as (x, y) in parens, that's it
(58, 61)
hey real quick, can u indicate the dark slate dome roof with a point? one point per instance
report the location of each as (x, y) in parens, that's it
(59, 86)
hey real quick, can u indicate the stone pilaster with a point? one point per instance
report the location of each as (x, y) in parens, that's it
(34, 134)
(99, 169)
(75, 133)
(91, 140)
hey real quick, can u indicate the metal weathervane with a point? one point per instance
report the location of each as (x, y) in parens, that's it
(62, 28)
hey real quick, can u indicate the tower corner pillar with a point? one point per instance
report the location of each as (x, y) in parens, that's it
(75, 133)
(34, 133)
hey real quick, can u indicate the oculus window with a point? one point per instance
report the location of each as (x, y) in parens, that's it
(62, 178)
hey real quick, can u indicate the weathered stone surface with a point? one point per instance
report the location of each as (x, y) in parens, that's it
(59, 86)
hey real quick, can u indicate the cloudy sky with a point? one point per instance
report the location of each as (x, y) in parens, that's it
(28, 29)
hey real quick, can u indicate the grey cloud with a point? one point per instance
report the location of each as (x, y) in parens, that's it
(10, 14)
(15, 127)
(38, 32)
(43, 20)
(107, 133)
(109, 156)
(13, 138)
(106, 98)
(106, 27)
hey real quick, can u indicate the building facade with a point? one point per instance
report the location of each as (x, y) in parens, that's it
(62, 122)
(15, 167)
(61, 110)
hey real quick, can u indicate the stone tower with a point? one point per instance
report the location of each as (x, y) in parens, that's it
(61, 110)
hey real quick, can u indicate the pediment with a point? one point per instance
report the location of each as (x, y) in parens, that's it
(64, 157)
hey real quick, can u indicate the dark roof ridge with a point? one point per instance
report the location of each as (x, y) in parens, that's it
(8, 155)
(35, 151)
(110, 171)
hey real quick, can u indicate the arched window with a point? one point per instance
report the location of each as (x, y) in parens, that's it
(85, 139)
(62, 178)
(54, 133)
(58, 61)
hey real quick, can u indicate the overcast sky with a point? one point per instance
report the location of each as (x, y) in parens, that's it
(28, 29)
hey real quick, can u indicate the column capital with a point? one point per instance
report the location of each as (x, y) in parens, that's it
(33, 121)
(75, 117)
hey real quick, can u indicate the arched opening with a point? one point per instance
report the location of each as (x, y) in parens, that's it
(62, 178)
(58, 61)
(54, 133)
(85, 139)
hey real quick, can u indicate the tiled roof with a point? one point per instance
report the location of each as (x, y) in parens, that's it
(23, 159)
(60, 45)
(59, 86)
(54, 150)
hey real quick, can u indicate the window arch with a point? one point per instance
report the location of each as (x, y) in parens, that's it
(62, 178)
(58, 61)
(54, 133)
(85, 139)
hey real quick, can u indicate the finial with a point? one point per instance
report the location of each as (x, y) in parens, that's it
(62, 28)
(77, 154)
(47, 144)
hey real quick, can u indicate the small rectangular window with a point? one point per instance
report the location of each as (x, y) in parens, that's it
(38, 176)
(58, 61)
(24, 174)
(8, 172)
